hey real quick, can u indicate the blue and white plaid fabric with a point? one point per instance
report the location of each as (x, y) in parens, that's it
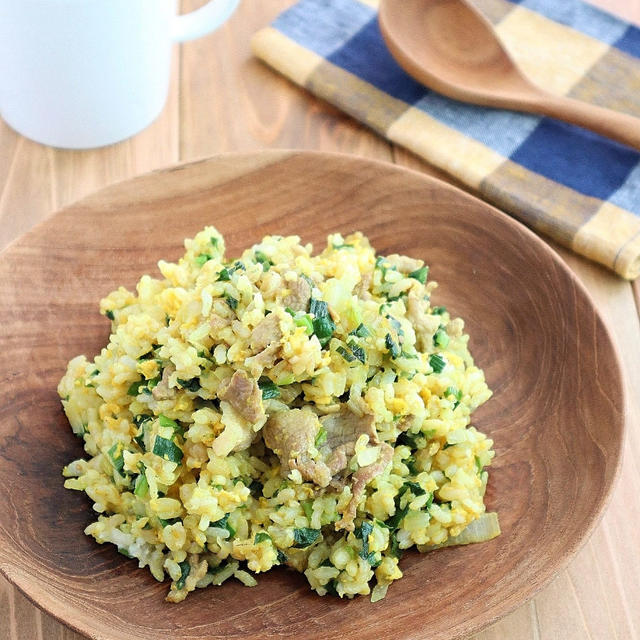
(573, 185)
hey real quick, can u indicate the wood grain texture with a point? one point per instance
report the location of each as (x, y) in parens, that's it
(451, 47)
(268, 111)
(275, 113)
(539, 342)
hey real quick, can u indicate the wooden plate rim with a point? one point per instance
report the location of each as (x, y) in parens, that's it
(40, 598)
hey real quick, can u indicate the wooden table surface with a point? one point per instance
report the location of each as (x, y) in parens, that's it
(222, 99)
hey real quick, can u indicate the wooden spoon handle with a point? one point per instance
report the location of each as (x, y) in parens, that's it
(611, 124)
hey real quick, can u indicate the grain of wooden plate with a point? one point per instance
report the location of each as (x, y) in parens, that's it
(556, 415)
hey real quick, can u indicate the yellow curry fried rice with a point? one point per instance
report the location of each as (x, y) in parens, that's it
(280, 409)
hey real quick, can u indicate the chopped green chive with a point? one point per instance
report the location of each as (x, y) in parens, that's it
(439, 310)
(342, 246)
(478, 465)
(151, 384)
(373, 561)
(167, 523)
(321, 437)
(323, 325)
(231, 301)
(109, 314)
(451, 391)
(255, 488)
(392, 346)
(141, 487)
(414, 487)
(331, 588)
(420, 274)
(134, 389)
(214, 241)
(306, 322)
(140, 419)
(381, 266)
(361, 331)
(455, 392)
(437, 362)
(441, 338)
(115, 454)
(263, 260)
(411, 440)
(318, 308)
(345, 354)
(411, 465)
(202, 258)
(394, 521)
(185, 569)
(269, 388)
(362, 532)
(192, 385)
(261, 536)
(324, 328)
(394, 547)
(395, 323)
(308, 280)
(357, 351)
(223, 523)
(163, 421)
(224, 275)
(167, 449)
(305, 537)
(140, 422)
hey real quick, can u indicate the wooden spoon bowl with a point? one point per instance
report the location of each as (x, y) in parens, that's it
(556, 416)
(450, 47)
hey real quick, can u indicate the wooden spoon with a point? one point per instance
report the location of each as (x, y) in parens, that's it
(449, 46)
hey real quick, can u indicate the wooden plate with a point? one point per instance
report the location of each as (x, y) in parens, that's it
(556, 416)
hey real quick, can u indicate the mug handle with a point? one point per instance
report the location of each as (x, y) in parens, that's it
(203, 20)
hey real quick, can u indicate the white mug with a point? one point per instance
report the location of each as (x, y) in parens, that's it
(79, 74)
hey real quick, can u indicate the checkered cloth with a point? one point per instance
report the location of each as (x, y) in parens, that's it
(573, 185)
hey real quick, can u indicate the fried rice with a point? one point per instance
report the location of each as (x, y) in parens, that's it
(280, 409)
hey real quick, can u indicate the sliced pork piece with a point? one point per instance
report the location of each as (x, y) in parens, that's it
(312, 470)
(404, 263)
(406, 422)
(343, 430)
(363, 287)
(263, 360)
(237, 435)
(290, 435)
(361, 478)
(267, 332)
(218, 323)
(299, 296)
(162, 391)
(425, 325)
(244, 395)
(345, 426)
(338, 459)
